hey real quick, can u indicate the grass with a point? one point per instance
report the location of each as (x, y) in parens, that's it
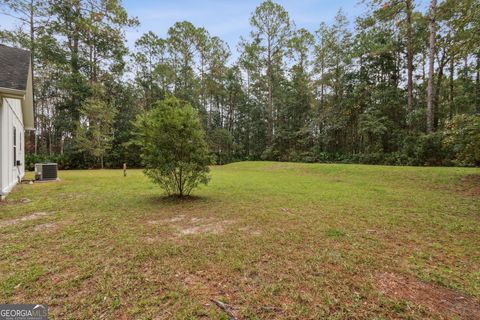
(272, 240)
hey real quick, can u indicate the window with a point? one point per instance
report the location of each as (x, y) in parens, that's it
(14, 146)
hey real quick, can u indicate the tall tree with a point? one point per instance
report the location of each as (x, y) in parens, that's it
(431, 64)
(272, 29)
(149, 57)
(347, 96)
(94, 133)
(409, 38)
(32, 14)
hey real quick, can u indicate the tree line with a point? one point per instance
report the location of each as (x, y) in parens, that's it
(400, 87)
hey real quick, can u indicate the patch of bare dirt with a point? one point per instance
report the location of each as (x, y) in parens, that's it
(174, 219)
(156, 239)
(437, 299)
(191, 226)
(250, 231)
(45, 227)
(72, 195)
(201, 283)
(214, 227)
(33, 216)
(203, 225)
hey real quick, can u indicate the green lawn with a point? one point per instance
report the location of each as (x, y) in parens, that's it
(271, 240)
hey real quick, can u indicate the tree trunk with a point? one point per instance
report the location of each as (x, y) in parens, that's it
(270, 96)
(477, 80)
(431, 66)
(32, 63)
(451, 93)
(436, 99)
(180, 184)
(424, 59)
(322, 85)
(409, 10)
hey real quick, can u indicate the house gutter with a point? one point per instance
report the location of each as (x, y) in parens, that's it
(12, 93)
(16, 94)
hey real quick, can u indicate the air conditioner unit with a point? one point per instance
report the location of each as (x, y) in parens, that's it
(46, 171)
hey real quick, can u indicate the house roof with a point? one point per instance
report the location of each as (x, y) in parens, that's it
(14, 68)
(16, 80)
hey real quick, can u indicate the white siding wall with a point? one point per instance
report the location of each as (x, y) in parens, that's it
(11, 117)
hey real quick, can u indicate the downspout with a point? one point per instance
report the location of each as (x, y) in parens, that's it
(19, 175)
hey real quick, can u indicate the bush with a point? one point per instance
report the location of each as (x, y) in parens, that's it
(173, 147)
(62, 161)
(462, 136)
(270, 154)
(429, 149)
(305, 156)
(328, 157)
(425, 149)
(396, 159)
(367, 158)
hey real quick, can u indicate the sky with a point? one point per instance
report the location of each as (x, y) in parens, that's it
(229, 19)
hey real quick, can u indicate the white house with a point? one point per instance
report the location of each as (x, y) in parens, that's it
(16, 114)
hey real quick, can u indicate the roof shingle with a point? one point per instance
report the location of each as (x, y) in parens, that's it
(14, 65)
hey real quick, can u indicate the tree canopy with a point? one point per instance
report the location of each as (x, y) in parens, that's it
(386, 90)
(172, 146)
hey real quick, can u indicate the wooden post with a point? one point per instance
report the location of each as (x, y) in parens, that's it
(124, 169)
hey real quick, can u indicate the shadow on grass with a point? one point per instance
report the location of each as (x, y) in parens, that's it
(176, 199)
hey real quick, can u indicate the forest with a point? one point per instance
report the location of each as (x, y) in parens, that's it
(399, 86)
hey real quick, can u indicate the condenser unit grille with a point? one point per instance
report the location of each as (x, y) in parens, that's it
(46, 171)
(49, 172)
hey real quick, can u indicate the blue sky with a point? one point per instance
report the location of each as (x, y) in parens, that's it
(229, 19)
